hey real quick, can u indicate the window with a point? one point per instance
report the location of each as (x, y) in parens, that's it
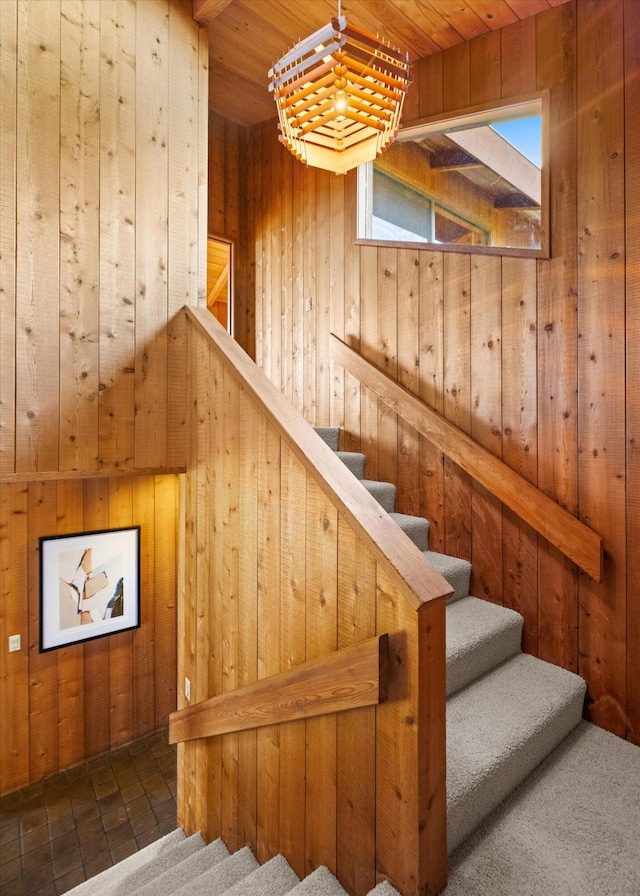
(475, 180)
(219, 268)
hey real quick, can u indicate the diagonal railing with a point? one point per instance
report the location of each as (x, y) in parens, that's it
(563, 530)
(289, 566)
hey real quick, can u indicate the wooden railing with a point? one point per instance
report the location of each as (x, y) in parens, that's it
(558, 526)
(288, 562)
(350, 678)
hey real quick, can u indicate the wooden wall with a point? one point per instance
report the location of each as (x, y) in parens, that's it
(537, 360)
(60, 707)
(103, 143)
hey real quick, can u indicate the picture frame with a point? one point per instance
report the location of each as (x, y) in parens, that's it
(89, 586)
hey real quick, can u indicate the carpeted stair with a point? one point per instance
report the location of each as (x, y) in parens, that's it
(506, 712)
(518, 759)
(178, 865)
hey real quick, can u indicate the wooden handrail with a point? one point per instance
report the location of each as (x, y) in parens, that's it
(350, 678)
(397, 554)
(557, 525)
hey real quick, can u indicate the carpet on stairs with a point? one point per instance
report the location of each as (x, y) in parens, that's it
(572, 828)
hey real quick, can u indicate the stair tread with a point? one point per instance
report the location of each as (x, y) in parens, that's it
(191, 867)
(330, 435)
(416, 527)
(383, 492)
(455, 570)
(320, 882)
(275, 878)
(354, 461)
(137, 869)
(499, 729)
(384, 888)
(222, 876)
(480, 636)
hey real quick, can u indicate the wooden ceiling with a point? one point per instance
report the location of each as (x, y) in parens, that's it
(247, 36)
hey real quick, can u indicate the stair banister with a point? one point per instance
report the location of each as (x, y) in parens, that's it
(400, 557)
(289, 560)
(561, 529)
(348, 679)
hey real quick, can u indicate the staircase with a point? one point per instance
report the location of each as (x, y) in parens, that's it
(506, 711)
(178, 865)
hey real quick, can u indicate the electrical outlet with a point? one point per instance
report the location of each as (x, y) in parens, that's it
(14, 643)
(187, 689)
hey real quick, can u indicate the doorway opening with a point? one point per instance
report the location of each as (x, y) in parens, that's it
(219, 281)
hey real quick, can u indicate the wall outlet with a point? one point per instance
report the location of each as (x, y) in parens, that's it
(14, 643)
(187, 689)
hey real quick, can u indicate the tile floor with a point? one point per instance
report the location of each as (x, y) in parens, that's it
(62, 830)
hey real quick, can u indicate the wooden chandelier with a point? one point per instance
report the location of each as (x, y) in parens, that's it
(339, 95)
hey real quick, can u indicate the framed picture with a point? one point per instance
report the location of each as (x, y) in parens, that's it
(89, 586)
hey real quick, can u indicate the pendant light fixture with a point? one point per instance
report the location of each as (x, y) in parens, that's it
(339, 95)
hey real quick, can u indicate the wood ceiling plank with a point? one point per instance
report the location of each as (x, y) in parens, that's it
(461, 18)
(495, 15)
(205, 11)
(526, 8)
(245, 103)
(247, 36)
(401, 24)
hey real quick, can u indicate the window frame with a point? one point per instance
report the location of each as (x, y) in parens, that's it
(463, 119)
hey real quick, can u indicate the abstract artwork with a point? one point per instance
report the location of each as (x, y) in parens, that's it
(89, 585)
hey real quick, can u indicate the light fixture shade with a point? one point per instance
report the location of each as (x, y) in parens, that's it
(339, 95)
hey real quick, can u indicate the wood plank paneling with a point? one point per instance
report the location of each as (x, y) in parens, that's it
(486, 420)
(144, 672)
(431, 323)
(103, 197)
(352, 392)
(311, 296)
(152, 166)
(293, 570)
(8, 200)
(321, 639)
(14, 616)
(456, 391)
(338, 227)
(248, 635)
(632, 189)
(79, 233)
(183, 248)
(37, 238)
(601, 342)
(268, 623)
(386, 350)
(323, 310)
(43, 667)
(408, 336)
(231, 622)
(116, 399)
(356, 843)
(120, 645)
(287, 250)
(166, 533)
(67, 705)
(557, 367)
(519, 542)
(537, 395)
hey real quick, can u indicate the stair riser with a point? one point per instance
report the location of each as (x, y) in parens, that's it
(498, 730)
